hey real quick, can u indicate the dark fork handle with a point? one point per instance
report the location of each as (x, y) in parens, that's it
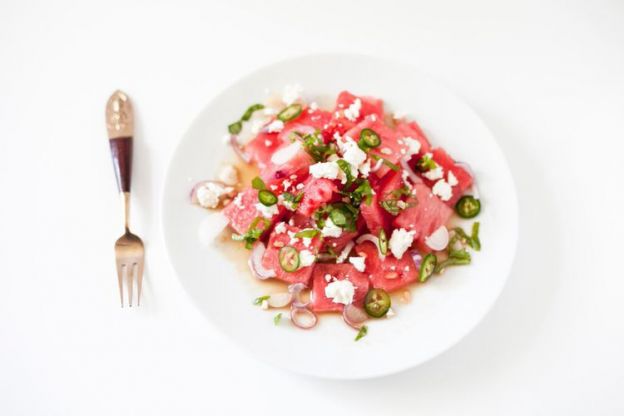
(121, 152)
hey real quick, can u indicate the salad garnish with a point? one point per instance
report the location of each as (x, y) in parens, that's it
(361, 333)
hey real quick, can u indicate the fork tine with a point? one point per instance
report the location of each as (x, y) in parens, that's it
(130, 273)
(120, 268)
(139, 280)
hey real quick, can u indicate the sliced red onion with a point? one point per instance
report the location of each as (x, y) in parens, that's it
(417, 258)
(377, 166)
(279, 300)
(295, 290)
(255, 262)
(410, 173)
(354, 316)
(373, 239)
(439, 239)
(303, 317)
(474, 190)
(229, 192)
(345, 252)
(238, 148)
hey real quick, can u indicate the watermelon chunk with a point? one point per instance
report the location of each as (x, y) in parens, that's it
(261, 148)
(270, 260)
(341, 124)
(288, 162)
(316, 192)
(426, 215)
(412, 129)
(464, 179)
(308, 122)
(374, 215)
(389, 273)
(242, 211)
(321, 303)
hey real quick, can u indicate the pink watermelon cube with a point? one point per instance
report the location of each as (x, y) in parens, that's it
(426, 215)
(412, 129)
(294, 168)
(242, 211)
(261, 148)
(375, 216)
(464, 179)
(287, 238)
(321, 303)
(316, 192)
(389, 273)
(310, 121)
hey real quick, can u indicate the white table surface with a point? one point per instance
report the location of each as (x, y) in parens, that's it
(547, 77)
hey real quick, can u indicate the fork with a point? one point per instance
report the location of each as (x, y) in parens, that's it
(129, 250)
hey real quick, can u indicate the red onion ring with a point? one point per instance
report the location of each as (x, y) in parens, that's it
(238, 148)
(295, 290)
(354, 316)
(410, 173)
(373, 239)
(345, 252)
(255, 263)
(279, 300)
(417, 258)
(302, 317)
(377, 166)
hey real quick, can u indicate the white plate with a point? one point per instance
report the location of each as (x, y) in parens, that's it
(442, 311)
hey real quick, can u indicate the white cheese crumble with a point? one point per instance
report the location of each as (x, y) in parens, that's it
(306, 258)
(439, 239)
(209, 194)
(400, 241)
(267, 212)
(268, 143)
(306, 241)
(353, 112)
(358, 263)
(286, 184)
(285, 153)
(340, 291)
(328, 170)
(351, 152)
(291, 93)
(433, 174)
(313, 106)
(328, 278)
(238, 201)
(275, 126)
(228, 175)
(280, 228)
(365, 169)
(293, 239)
(443, 190)
(413, 145)
(452, 180)
(330, 229)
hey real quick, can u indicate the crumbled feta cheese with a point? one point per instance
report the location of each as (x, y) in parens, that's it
(413, 145)
(299, 186)
(365, 169)
(340, 291)
(280, 228)
(351, 152)
(330, 229)
(443, 190)
(306, 258)
(209, 194)
(439, 239)
(328, 170)
(313, 106)
(328, 278)
(286, 184)
(434, 174)
(358, 263)
(353, 112)
(386, 151)
(293, 239)
(291, 93)
(238, 201)
(452, 180)
(275, 126)
(228, 175)
(307, 241)
(267, 212)
(286, 153)
(400, 241)
(268, 143)
(273, 187)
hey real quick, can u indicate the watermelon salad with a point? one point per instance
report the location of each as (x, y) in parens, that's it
(350, 205)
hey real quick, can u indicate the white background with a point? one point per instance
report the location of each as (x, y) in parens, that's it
(547, 78)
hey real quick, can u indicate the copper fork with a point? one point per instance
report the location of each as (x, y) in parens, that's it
(129, 251)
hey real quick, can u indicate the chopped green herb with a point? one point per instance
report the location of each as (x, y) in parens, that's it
(292, 199)
(253, 233)
(258, 183)
(259, 300)
(316, 147)
(364, 191)
(290, 113)
(277, 319)
(252, 109)
(346, 168)
(391, 206)
(235, 128)
(386, 162)
(308, 233)
(426, 163)
(361, 333)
